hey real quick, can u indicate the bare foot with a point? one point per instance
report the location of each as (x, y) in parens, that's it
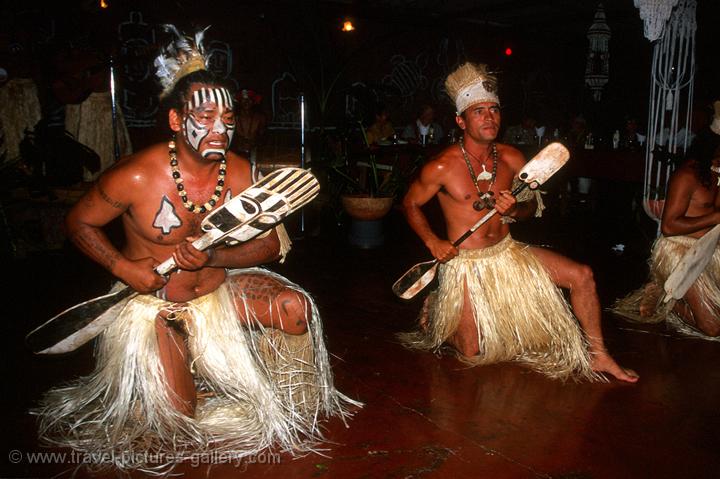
(602, 362)
(649, 301)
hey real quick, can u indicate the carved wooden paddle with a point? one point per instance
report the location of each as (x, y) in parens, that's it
(691, 265)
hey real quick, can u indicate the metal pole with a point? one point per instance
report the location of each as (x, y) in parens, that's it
(302, 153)
(113, 101)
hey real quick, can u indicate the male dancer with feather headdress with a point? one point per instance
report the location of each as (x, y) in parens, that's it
(220, 356)
(498, 299)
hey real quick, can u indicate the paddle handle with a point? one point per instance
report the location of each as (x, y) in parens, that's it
(485, 218)
(201, 244)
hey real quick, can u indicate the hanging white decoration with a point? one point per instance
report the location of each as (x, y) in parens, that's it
(671, 99)
(655, 14)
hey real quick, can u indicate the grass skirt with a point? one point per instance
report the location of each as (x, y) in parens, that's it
(666, 254)
(257, 387)
(519, 313)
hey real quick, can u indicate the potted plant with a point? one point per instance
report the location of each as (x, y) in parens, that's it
(367, 190)
(371, 203)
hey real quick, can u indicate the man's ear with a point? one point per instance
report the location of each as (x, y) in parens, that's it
(460, 122)
(174, 120)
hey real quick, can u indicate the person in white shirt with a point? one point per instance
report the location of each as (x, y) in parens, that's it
(424, 130)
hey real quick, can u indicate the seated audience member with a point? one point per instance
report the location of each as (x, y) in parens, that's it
(424, 130)
(381, 129)
(522, 134)
(630, 137)
(577, 132)
(251, 122)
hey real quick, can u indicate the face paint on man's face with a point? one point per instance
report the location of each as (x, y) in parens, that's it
(209, 114)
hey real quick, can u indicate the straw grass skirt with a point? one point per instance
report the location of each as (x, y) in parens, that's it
(519, 313)
(258, 388)
(666, 254)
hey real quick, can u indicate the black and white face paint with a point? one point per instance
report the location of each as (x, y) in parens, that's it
(209, 110)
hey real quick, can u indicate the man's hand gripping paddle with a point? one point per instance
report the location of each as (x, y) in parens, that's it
(535, 172)
(255, 210)
(691, 265)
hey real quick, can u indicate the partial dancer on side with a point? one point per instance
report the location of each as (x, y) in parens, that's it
(692, 209)
(221, 356)
(499, 299)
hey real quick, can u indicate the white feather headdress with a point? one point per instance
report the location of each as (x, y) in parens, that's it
(182, 56)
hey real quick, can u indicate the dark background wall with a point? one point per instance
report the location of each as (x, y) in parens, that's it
(399, 53)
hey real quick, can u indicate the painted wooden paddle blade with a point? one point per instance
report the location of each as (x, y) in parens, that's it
(543, 165)
(415, 279)
(691, 265)
(257, 209)
(263, 205)
(76, 326)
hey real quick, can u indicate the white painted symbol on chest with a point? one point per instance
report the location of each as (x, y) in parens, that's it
(166, 219)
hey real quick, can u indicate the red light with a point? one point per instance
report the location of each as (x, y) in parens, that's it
(508, 51)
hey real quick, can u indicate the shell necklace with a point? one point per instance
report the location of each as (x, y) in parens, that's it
(189, 205)
(487, 199)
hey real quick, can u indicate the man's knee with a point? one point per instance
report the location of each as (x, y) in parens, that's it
(583, 278)
(712, 331)
(294, 311)
(466, 344)
(710, 327)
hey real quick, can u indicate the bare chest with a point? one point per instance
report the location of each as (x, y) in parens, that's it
(704, 200)
(465, 190)
(162, 218)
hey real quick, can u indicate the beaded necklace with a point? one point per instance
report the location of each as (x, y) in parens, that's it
(189, 205)
(487, 199)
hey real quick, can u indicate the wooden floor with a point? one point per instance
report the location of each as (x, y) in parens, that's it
(429, 416)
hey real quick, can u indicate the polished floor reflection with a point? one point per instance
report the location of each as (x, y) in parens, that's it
(424, 415)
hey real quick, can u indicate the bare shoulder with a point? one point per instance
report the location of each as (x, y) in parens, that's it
(683, 182)
(440, 165)
(238, 169)
(685, 174)
(137, 171)
(511, 156)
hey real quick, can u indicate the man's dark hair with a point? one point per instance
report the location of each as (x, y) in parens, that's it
(705, 147)
(424, 107)
(180, 94)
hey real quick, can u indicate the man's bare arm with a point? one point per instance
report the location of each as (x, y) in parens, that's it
(507, 205)
(420, 192)
(84, 225)
(426, 186)
(105, 201)
(251, 253)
